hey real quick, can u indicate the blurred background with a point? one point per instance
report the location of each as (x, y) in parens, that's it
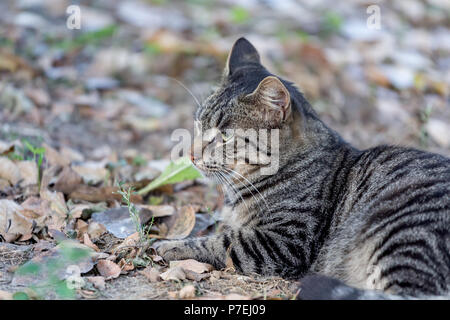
(107, 88)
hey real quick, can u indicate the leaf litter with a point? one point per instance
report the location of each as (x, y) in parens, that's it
(81, 112)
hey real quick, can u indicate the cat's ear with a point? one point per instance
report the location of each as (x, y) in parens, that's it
(241, 53)
(273, 98)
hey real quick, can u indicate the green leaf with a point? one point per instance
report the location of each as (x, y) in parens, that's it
(20, 296)
(178, 171)
(239, 14)
(28, 268)
(63, 291)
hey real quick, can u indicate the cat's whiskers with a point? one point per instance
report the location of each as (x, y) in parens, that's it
(234, 191)
(250, 183)
(187, 89)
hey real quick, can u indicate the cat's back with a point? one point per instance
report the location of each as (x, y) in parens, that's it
(397, 199)
(402, 178)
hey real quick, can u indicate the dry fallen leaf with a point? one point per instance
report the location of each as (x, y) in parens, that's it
(6, 147)
(125, 266)
(108, 269)
(35, 208)
(68, 180)
(4, 295)
(97, 281)
(87, 241)
(192, 265)
(9, 171)
(100, 194)
(95, 230)
(56, 216)
(54, 158)
(174, 274)
(183, 223)
(92, 172)
(76, 210)
(158, 211)
(187, 292)
(81, 226)
(194, 276)
(28, 172)
(151, 273)
(13, 223)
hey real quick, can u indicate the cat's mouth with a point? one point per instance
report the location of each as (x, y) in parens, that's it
(209, 170)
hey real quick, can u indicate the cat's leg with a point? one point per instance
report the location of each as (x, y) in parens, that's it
(210, 249)
(249, 250)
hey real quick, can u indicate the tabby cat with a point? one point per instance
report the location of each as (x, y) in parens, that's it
(377, 220)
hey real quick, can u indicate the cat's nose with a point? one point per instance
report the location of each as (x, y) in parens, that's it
(191, 154)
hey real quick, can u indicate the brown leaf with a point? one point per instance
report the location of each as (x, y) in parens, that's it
(92, 172)
(12, 63)
(94, 194)
(13, 223)
(125, 266)
(28, 172)
(174, 274)
(151, 273)
(95, 230)
(97, 281)
(108, 269)
(54, 157)
(81, 226)
(192, 265)
(187, 292)
(87, 241)
(68, 180)
(35, 208)
(158, 211)
(4, 295)
(194, 276)
(6, 147)
(9, 171)
(76, 210)
(56, 216)
(4, 184)
(182, 224)
(71, 154)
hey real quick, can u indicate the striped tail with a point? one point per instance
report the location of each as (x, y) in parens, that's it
(318, 287)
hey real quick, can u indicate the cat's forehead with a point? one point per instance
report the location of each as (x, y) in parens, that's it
(222, 106)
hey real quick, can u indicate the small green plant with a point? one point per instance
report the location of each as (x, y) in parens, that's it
(331, 23)
(239, 15)
(154, 201)
(93, 37)
(38, 156)
(143, 230)
(38, 152)
(139, 161)
(424, 118)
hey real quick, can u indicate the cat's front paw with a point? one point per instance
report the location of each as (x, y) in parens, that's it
(169, 249)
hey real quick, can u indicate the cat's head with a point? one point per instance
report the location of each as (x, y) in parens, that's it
(248, 101)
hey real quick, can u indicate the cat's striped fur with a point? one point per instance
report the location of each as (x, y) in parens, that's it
(374, 219)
